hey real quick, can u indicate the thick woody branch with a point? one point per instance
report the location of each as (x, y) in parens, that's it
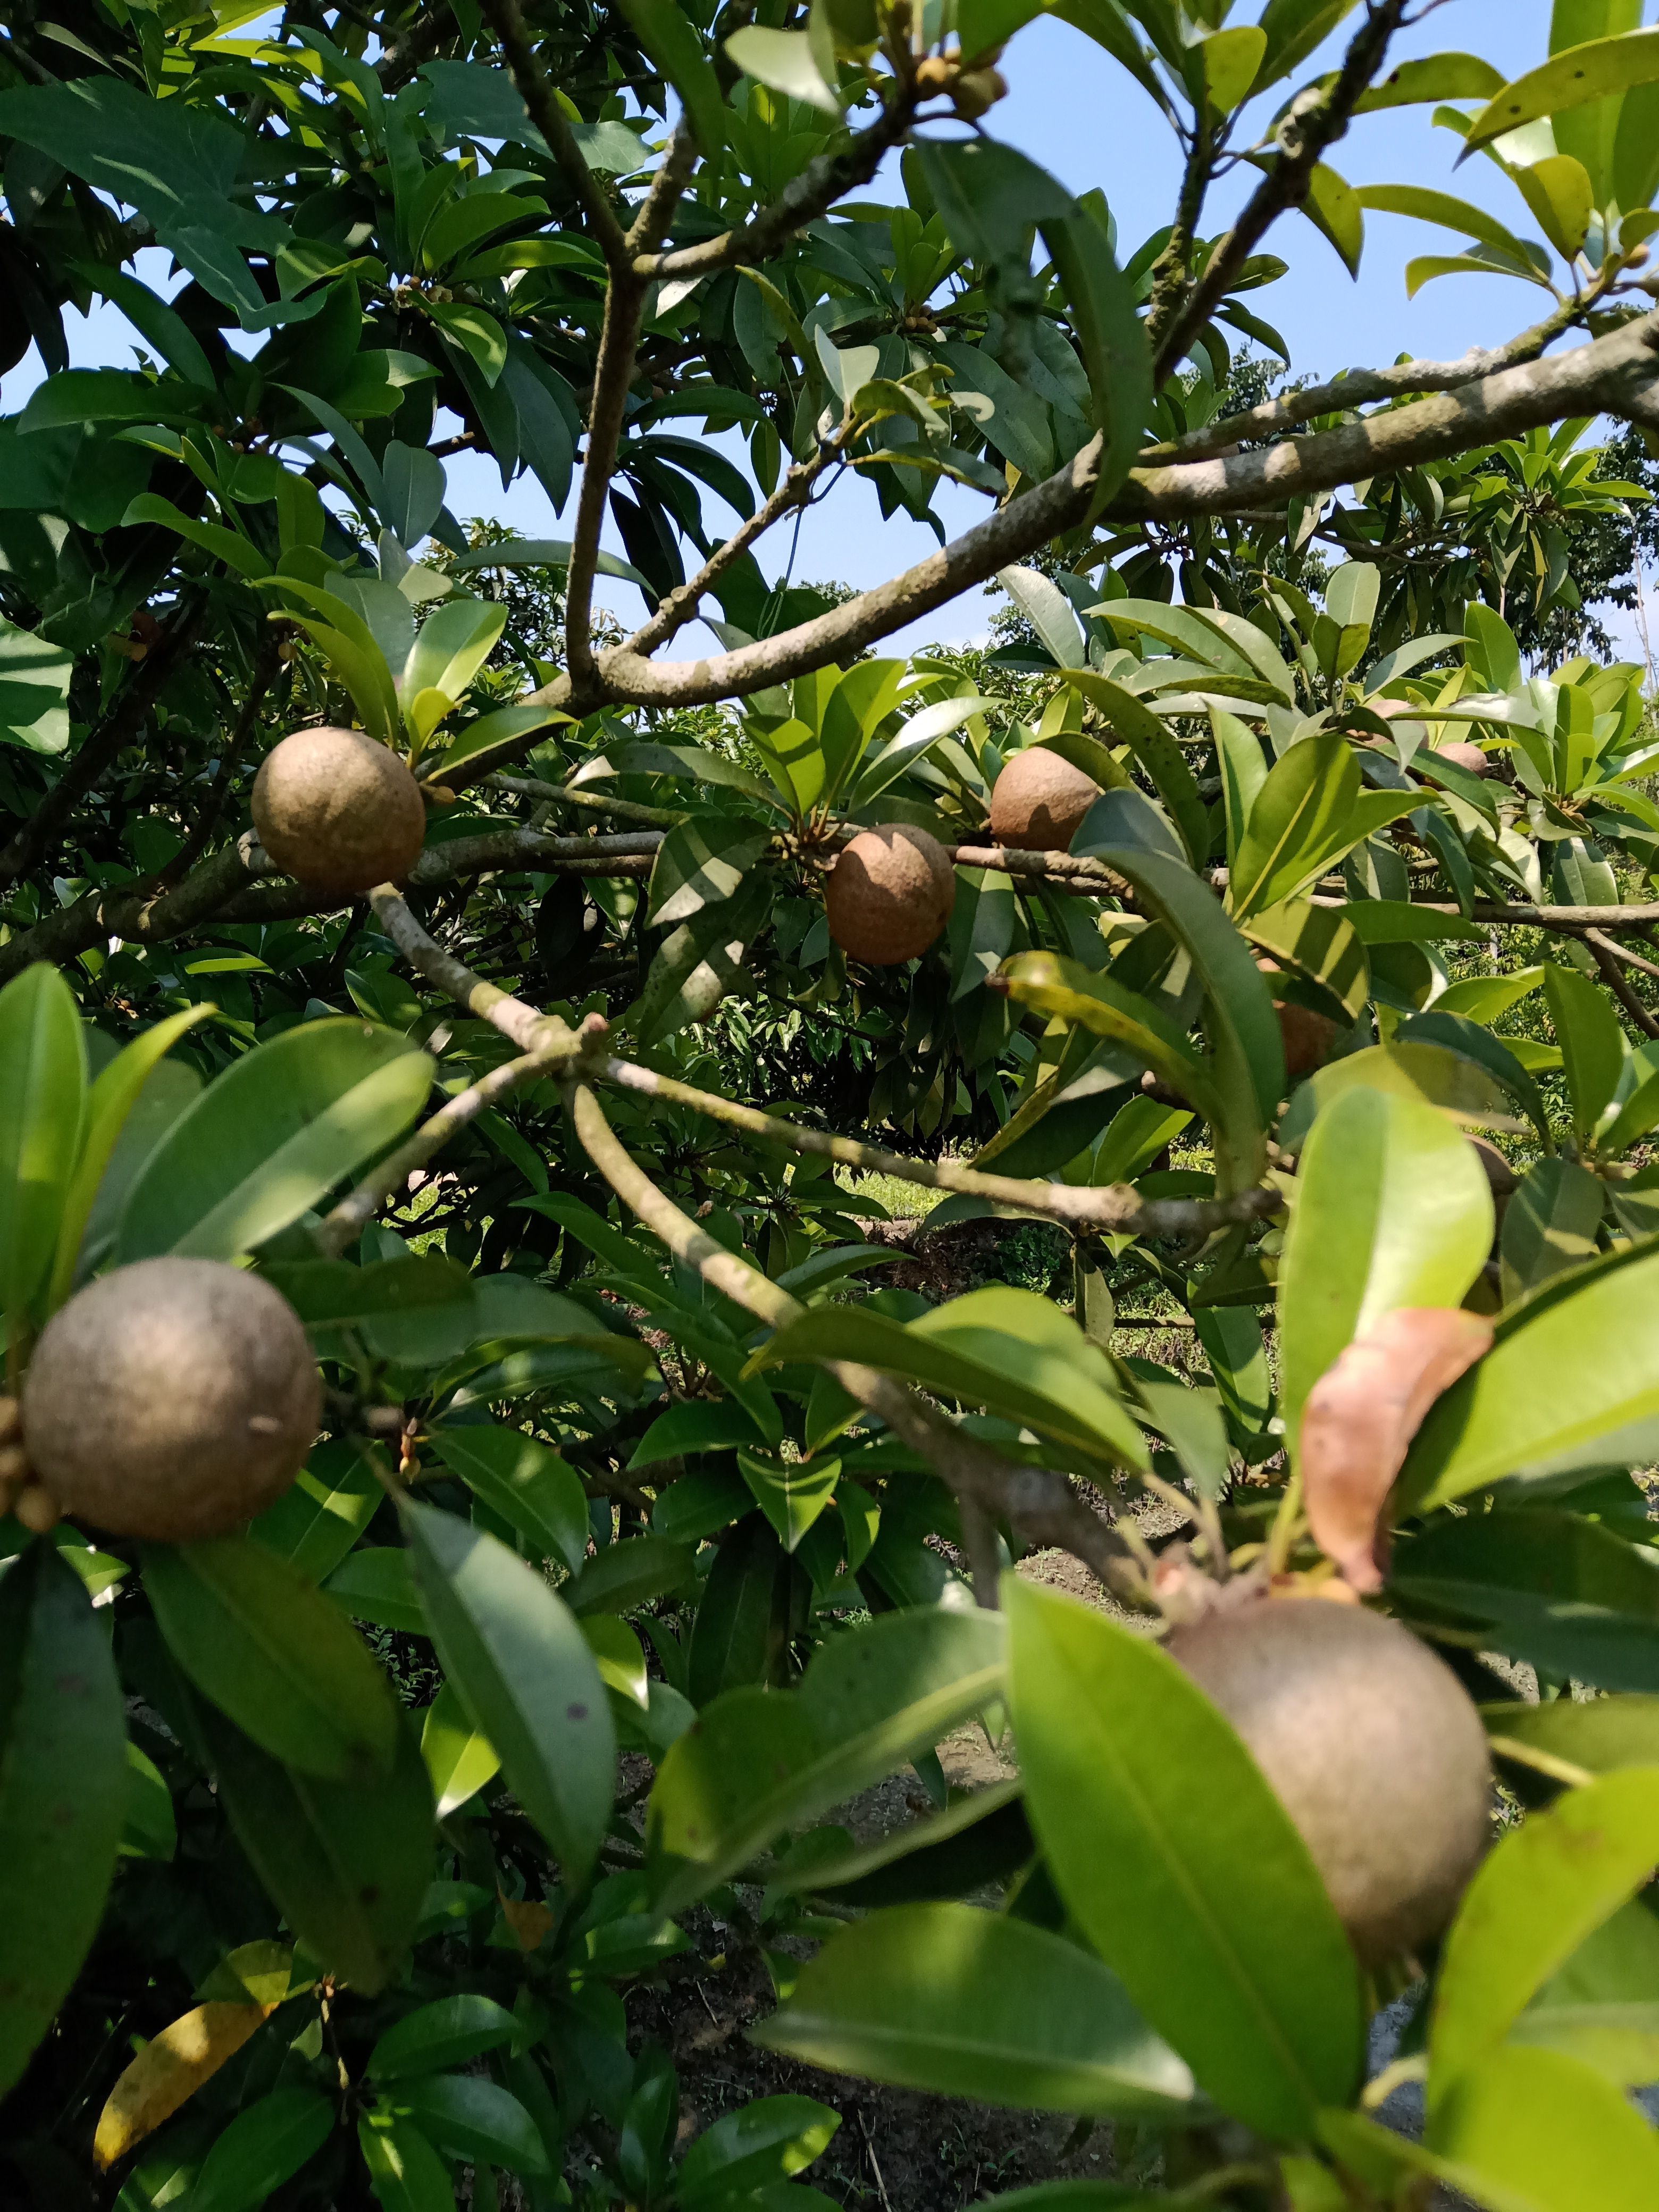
(824, 181)
(1617, 374)
(1360, 388)
(550, 118)
(532, 1031)
(1304, 138)
(624, 302)
(1118, 1208)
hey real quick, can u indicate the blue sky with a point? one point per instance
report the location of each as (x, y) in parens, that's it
(1073, 110)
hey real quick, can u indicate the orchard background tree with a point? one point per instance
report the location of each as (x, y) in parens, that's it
(484, 1495)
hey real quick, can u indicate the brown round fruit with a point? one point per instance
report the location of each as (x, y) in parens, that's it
(1372, 1748)
(1039, 801)
(1309, 1036)
(1461, 754)
(338, 810)
(890, 894)
(172, 1400)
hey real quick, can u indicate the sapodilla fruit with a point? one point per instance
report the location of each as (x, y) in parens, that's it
(1372, 1748)
(338, 810)
(1039, 801)
(1308, 1035)
(890, 894)
(171, 1400)
(1458, 752)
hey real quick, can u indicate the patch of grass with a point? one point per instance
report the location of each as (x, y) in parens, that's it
(903, 1202)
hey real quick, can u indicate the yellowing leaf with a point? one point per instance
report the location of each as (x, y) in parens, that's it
(169, 2071)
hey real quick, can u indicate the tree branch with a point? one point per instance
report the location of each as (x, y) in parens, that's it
(1608, 958)
(825, 181)
(1304, 136)
(116, 730)
(550, 118)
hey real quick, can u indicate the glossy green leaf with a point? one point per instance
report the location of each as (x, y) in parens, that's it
(1568, 79)
(1549, 1225)
(1533, 2130)
(265, 2145)
(446, 2033)
(1434, 77)
(1392, 1209)
(527, 1482)
(275, 1132)
(624, 1575)
(473, 2117)
(109, 1104)
(1540, 1894)
(1009, 1350)
(765, 2143)
(43, 1074)
(525, 1675)
(791, 1494)
(1316, 942)
(324, 1510)
(677, 49)
(967, 2003)
(1572, 1381)
(1597, 1734)
(1545, 1586)
(760, 1761)
(1149, 738)
(254, 1634)
(63, 1791)
(376, 1583)
(1179, 1863)
(348, 1868)
(459, 1759)
(1309, 813)
(1591, 1040)
(1431, 206)
(404, 2172)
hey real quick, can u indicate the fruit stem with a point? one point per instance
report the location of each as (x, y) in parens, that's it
(1287, 1527)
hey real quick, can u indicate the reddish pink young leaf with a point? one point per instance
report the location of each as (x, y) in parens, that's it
(1362, 1414)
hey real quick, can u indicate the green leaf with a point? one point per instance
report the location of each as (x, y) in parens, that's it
(228, 546)
(528, 1482)
(1565, 1594)
(348, 1868)
(1182, 1866)
(792, 1495)
(63, 1790)
(525, 1676)
(43, 1074)
(1112, 343)
(1591, 1040)
(1392, 1209)
(404, 2172)
(1149, 739)
(675, 47)
(741, 1631)
(1533, 2130)
(1598, 1734)
(1009, 1350)
(378, 1585)
(272, 1135)
(784, 62)
(1568, 79)
(623, 1576)
(700, 862)
(111, 1100)
(699, 962)
(1452, 214)
(1572, 1381)
(1309, 813)
(458, 1758)
(967, 2003)
(1335, 208)
(748, 2150)
(1558, 191)
(761, 1761)
(1547, 1885)
(1243, 769)
(1316, 942)
(254, 1634)
(330, 1501)
(1434, 77)
(472, 2117)
(34, 680)
(445, 2033)
(265, 2145)
(1549, 1225)
(450, 647)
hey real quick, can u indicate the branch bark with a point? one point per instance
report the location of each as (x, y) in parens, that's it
(550, 118)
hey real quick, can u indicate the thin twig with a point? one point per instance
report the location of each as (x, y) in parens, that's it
(1608, 958)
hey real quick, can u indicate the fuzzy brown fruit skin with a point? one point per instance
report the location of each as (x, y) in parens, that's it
(1372, 1747)
(338, 810)
(890, 894)
(1039, 801)
(172, 1400)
